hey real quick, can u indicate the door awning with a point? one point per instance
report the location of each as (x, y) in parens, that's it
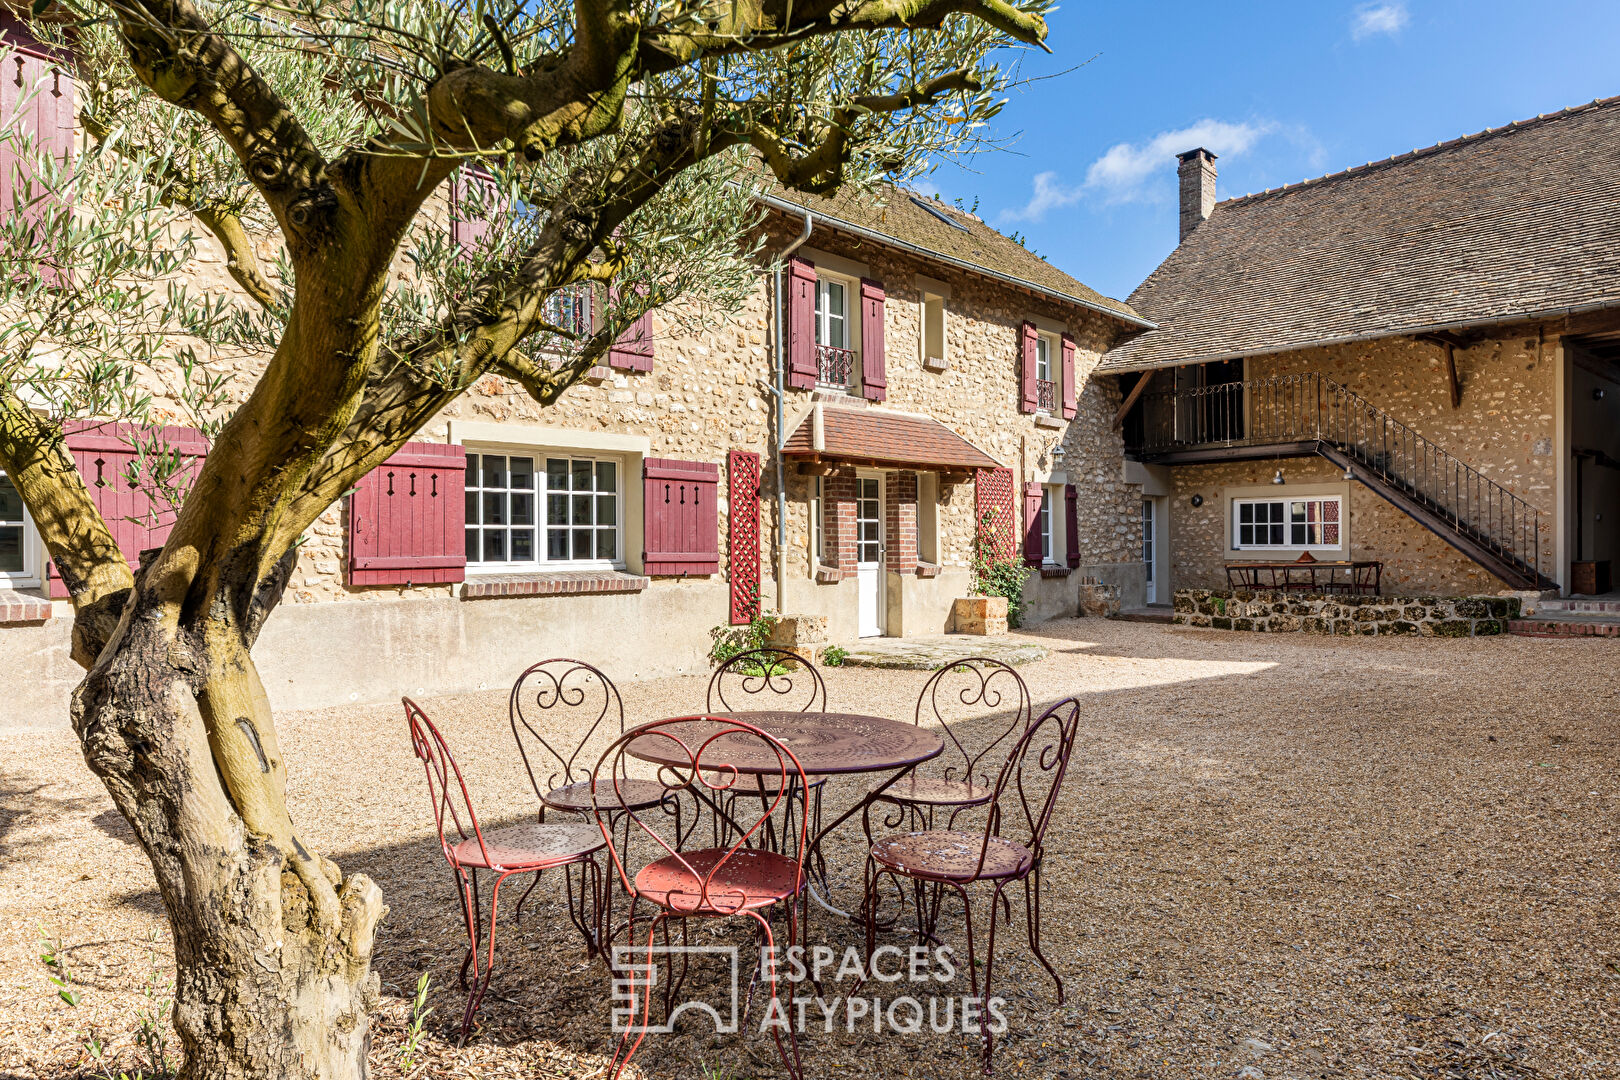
(878, 437)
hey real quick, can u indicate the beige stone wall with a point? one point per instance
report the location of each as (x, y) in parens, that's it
(1504, 427)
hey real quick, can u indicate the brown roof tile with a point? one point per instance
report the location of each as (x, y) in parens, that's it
(1514, 222)
(948, 234)
(879, 437)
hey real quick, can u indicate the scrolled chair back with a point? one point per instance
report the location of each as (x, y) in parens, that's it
(1027, 787)
(446, 788)
(963, 690)
(578, 694)
(767, 678)
(710, 757)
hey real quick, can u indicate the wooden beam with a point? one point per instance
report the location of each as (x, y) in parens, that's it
(1450, 343)
(1130, 399)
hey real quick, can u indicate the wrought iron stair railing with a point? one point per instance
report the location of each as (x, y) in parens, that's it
(1308, 409)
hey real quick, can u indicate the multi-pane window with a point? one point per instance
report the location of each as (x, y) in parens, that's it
(1046, 525)
(816, 504)
(529, 510)
(1287, 523)
(832, 313)
(570, 308)
(1043, 358)
(868, 520)
(13, 530)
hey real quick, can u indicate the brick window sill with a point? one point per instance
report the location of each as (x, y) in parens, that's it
(828, 575)
(1055, 571)
(1047, 420)
(553, 583)
(23, 607)
(927, 570)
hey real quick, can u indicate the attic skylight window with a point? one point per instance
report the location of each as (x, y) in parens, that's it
(937, 212)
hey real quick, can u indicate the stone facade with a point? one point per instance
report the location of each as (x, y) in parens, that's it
(1505, 426)
(1279, 612)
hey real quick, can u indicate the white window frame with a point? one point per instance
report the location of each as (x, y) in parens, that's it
(539, 455)
(1047, 525)
(1046, 351)
(935, 310)
(818, 495)
(823, 311)
(29, 576)
(928, 518)
(851, 319)
(1287, 523)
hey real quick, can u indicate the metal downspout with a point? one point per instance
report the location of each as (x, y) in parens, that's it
(779, 390)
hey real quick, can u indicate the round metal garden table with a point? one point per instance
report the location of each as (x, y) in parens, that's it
(826, 744)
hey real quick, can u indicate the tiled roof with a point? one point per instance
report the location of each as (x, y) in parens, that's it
(933, 229)
(1515, 222)
(878, 437)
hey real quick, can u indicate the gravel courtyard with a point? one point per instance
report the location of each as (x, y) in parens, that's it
(1276, 856)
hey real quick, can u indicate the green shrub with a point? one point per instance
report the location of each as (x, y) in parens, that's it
(997, 575)
(729, 641)
(834, 656)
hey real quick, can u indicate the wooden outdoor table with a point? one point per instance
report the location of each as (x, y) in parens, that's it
(827, 744)
(1362, 576)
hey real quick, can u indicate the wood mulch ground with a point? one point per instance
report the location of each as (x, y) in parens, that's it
(1276, 856)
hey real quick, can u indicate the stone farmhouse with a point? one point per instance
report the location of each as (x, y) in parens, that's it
(1415, 362)
(834, 461)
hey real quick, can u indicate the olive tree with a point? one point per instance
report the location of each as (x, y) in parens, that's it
(313, 142)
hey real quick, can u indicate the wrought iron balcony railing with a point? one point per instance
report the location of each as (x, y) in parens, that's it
(1046, 395)
(1312, 409)
(835, 366)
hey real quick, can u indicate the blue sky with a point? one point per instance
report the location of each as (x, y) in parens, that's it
(1281, 91)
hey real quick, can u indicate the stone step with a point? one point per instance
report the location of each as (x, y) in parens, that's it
(1154, 613)
(1570, 624)
(1600, 607)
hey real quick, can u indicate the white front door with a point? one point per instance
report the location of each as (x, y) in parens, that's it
(869, 553)
(1150, 547)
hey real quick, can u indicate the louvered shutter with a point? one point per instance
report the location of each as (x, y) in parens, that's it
(1028, 399)
(633, 351)
(40, 85)
(1071, 523)
(408, 516)
(1032, 524)
(1067, 375)
(874, 383)
(104, 454)
(800, 320)
(680, 517)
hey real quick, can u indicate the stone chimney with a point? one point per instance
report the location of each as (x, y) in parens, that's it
(1197, 172)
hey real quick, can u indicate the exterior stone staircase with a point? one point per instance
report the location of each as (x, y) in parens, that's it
(1571, 618)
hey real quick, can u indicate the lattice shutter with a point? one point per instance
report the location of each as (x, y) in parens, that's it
(993, 495)
(742, 534)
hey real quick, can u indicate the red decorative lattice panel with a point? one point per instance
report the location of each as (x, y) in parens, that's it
(742, 534)
(993, 495)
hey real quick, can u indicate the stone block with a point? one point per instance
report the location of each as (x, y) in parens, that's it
(1452, 628)
(1401, 626)
(1472, 607)
(803, 634)
(984, 616)
(1099, 601)
(1243, 624)
(1285, 623)
(1490, 627)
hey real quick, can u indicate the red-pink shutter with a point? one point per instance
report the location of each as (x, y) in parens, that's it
(33, 72)
(1071, 523)
(633, 351)
(1067, 375)
(1032, 524)
(1028, 399)
(469, 210)
(408, 516)
(680, 517)
(103, 453)
(800, 321)
(874, 383)
(742, 534)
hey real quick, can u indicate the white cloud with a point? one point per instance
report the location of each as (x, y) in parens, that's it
(1121, 173)
(1048, 195)
(1370, 19)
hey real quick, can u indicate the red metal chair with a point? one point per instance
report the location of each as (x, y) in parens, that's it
(932, 860)
(956, 691)
(704, 756)
(582, 701)
(774, 680)
(514, 849)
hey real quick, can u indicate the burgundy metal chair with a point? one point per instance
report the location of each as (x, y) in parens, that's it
(514, 849)
(710, 758)
(955, 692)
(933, 860)
(769, 679)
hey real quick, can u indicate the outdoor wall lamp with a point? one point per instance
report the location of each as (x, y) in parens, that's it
(1277, 478)
(1598, 393)
(1197, 501)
